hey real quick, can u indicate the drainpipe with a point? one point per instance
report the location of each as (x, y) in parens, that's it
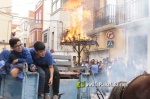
(48, 42)
(57, 27)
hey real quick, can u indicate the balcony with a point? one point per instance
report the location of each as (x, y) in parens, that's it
(31, 44)
(24, 34)
(104, 19)
(133, 13)
(35, 25)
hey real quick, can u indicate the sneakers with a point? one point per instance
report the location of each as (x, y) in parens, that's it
(55, 97)
(46, 96)
(41, 96)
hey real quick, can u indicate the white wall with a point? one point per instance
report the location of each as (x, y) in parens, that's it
(5, 23)
(139, 31)
(99, 55)
(57, 23)
(46, 14)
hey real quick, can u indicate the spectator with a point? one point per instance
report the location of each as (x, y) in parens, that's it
(130, 70)
(20, 55)
(48, 72)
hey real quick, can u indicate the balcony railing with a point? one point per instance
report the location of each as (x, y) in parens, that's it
(35, 25)
(133, 10)
(105, 16)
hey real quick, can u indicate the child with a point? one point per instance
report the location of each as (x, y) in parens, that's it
(20, 55)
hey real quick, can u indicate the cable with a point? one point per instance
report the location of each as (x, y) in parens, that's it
(29, 18)
(16, 5)
(20, 5)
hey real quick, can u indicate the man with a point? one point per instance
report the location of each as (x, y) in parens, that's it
(4, 55)
(42, 58)
(18, 54)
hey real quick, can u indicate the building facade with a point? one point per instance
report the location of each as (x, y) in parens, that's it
(36, 26)
(55, 21)
(5, 26)
(121, 28)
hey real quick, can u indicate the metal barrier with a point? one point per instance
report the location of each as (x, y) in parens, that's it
(12, 88)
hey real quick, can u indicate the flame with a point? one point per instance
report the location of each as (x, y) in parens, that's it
(72, 4)
(78, 18)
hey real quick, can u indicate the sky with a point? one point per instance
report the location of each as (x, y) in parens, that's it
(21, 7)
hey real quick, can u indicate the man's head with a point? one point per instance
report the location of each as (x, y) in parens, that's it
(39, 48)
(15, 44)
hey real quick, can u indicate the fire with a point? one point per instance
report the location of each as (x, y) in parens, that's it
(78, 18)
(72, 4)
(73, 34)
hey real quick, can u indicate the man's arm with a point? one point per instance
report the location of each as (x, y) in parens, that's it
(50, 65)
(51, 69)
(26, 57)
(8, 63)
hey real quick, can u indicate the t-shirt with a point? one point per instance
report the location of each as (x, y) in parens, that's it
(23, 56)
(42, 61)
(95, 69)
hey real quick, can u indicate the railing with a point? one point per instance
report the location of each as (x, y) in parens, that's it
(133, 10)
(35, 25)
(105, 16)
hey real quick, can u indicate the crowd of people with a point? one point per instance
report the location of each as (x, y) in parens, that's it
(107, 71)
(115, 70)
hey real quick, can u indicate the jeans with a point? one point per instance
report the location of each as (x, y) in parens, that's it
(44, 75)
(56, 81)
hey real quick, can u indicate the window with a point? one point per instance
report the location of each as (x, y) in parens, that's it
(25, 26)
(54, 8)
(112, 2)
(45, 38)
(32, 37)
(53, 0)
(22, 27)
(52, 43)
(64, 1)
(111, 8)
(40, 15)
(56, 4)
(37, 18)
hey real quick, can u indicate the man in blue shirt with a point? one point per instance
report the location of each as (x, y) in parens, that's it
(4, 55)
(18, 54)
(42, 58)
